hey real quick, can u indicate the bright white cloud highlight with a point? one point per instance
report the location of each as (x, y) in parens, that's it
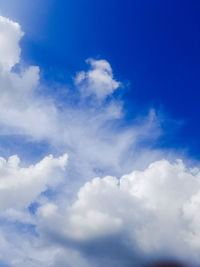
(98, 80)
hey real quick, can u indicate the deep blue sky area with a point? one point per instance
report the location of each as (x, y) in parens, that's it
(152, 45)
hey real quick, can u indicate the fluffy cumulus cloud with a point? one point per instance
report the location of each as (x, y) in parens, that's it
(148, 214)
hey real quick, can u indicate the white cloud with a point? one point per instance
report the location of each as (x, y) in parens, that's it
(22, 112)
(98, 80)
(10, 34)
(155, 210)
(90, 131)
(21, 186)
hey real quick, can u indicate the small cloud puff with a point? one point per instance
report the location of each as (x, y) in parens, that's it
(98, 80)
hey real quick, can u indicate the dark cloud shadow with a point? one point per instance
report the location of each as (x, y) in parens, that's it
(168, 264)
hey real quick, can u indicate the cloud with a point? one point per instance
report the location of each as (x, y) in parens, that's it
(113, 222)
(154, 212)
(98, 80)
(20, 186)
(92, 132)
(10, 34)
(23, 111)
(26, 251)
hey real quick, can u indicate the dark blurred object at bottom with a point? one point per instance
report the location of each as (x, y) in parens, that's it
(167, 264)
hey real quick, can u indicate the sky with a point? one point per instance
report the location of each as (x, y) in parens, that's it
(99, 133)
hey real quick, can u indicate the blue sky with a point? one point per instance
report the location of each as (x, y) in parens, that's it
(99, 132)
(153, 46)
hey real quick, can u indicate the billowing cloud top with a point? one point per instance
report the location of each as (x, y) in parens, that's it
(154, 211)
(143, 216)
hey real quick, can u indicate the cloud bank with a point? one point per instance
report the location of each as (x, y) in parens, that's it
(153, 212)
(149, 214)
